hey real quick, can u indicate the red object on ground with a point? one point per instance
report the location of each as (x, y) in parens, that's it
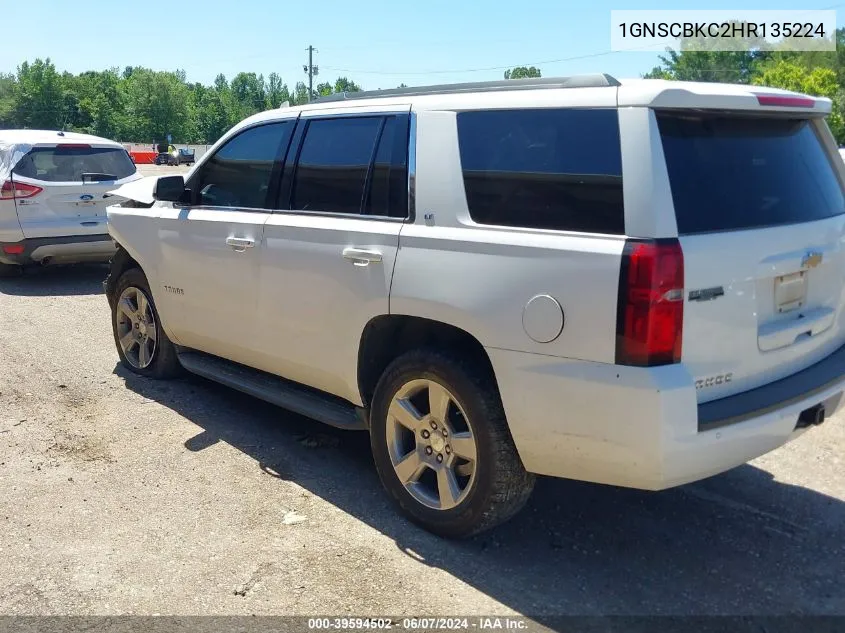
(143, 158)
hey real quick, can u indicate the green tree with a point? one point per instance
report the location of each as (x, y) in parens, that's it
(39, 99)
(300, 94)
(697, 61)
(323, 89)
(522, 72)
(212, 119)
(140, 105)
(720, 66)
(7, 100)
(248, 93)
(156, 105)
(344, 84)
(820, 82)
(277, 91)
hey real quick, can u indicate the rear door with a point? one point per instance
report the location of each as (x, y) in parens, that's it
(74, 180)
(759, 206)
(329, 252)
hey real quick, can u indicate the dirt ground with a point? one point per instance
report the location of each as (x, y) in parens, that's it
(119, 495)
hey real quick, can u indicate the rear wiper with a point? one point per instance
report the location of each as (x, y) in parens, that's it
(97, 177)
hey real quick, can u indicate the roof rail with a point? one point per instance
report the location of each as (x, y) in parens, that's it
(577, 81)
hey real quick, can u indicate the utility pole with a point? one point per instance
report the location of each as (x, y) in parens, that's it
(311, 70)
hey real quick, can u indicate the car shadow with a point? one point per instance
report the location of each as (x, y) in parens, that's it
(58, 280)
(737, 544)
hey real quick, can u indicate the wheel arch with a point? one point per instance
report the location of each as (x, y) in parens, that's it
(120, 263)
(387, 336)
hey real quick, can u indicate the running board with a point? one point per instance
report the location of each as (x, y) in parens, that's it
(289, 395)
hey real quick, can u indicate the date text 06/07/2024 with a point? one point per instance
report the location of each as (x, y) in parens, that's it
(420, 624)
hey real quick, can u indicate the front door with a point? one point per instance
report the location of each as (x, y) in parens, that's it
(210, 249)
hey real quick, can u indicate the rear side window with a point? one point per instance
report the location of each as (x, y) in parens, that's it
(239, 173)
(333, 164)
(353, 165)
(732, 172)
(388, 190)
(555, 169)
(70, 163)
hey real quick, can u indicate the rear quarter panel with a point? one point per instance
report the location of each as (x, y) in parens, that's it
(480, 278)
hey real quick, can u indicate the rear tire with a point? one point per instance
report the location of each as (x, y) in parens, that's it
(142, 344)
(8, 271)
(459, 426)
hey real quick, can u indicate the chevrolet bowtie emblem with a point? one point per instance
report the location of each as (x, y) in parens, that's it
(812, 259)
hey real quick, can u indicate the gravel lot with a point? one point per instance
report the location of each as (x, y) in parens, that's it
(122, 495)
(161, 170)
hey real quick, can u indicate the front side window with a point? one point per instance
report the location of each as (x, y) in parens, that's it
(557, 169)
(240, 172)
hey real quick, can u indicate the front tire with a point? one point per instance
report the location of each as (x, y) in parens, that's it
(442, 447)
(142, 344)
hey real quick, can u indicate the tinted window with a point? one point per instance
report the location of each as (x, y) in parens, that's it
(731, 172)
(388, 192)
(333, 164)
(239, 173)
(545, 169)
(68, 164)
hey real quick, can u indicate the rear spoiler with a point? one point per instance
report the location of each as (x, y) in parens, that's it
(705, 96)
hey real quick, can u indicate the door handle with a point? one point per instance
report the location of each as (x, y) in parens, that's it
(240, 244)
(361, 256)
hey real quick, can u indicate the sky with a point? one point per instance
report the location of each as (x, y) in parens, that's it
(376, 43)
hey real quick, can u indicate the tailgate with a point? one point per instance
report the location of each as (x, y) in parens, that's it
(759, 208)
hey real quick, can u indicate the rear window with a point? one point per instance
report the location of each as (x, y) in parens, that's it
(555, 169)
(68, 164)
(732, 172)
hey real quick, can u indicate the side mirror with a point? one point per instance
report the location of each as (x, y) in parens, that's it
(169, 189)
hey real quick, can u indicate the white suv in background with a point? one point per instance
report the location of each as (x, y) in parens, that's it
(636, 283)
(53, 197)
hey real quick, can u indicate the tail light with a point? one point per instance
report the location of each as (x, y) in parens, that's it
(13, 249)
(17, 190)
(73, 146)
(786, 101)
(650, 316)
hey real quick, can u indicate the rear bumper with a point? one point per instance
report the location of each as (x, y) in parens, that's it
(62, 249)
(639, 427)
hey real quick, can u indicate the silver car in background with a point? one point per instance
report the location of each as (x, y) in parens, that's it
(53, 197)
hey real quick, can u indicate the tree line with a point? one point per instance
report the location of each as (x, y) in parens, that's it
(143, 105)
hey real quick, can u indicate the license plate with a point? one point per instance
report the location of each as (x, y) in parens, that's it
(790, 291)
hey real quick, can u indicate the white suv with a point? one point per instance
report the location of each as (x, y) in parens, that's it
(637, 283)
(53, 197)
